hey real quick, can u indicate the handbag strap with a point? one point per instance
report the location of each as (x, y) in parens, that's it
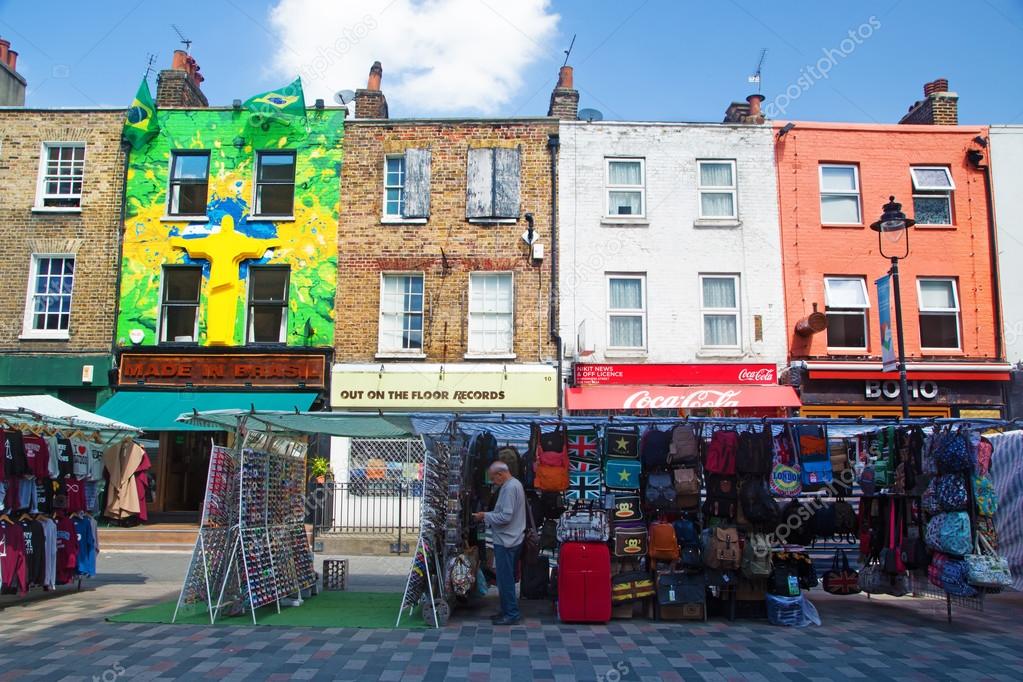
(529, 516)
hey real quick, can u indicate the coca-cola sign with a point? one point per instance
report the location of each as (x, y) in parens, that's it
(679, 397)
(691, 374)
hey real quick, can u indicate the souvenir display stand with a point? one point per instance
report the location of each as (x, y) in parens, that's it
(734, 516)
(51, 488)
(251, 550)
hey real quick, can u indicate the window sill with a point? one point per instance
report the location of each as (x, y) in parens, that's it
(56, 209)
(625, 221)
(717, 222)
(392, 220)
(489, 356)
(846, 226)
(398, 355)
(274, 218)
(721, 353)
(185, 219)
(493, 221)
(625, 353)
(935, 227)
(43, 336)
(848, 351)
(957, 352)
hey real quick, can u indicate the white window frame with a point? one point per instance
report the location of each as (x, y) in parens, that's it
(28, 332)
(381, 348)
(736, 311)
(282, 333)
(608, 187)
(394, 217)
(922, 191)
(713, 189)
(848, 310)
(956, 310)
(41, 196)
(627, 312)
(844, 193)
(508, 353)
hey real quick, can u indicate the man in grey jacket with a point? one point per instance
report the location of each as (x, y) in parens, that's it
(508, 524)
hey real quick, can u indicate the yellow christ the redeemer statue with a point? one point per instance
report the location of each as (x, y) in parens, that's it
(225, 250)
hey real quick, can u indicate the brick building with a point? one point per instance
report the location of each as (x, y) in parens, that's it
(443, 304)
(62, 172)
(833, 179)
(671, 282)
(228, 276)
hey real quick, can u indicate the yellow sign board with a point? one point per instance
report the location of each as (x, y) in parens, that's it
(980, 414)
(456, 388)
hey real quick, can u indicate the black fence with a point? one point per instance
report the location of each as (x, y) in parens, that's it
(364, 506)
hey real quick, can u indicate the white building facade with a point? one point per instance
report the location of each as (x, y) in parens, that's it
(670, 258)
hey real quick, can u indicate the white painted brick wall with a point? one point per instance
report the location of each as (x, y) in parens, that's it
(670, 250)
(1007, 180)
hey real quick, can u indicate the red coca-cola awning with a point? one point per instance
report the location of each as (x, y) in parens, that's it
(679, 397)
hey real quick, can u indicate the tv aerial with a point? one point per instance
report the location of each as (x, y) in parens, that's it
(187, 42)
(755, 78)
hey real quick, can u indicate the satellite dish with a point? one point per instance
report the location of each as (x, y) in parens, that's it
(343, 97)
(590, 115)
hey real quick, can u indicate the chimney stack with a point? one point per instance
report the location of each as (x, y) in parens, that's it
(12, 83)
(565, 98)
(938, 107)
(370, 101)
(178, 86)
(748, 112)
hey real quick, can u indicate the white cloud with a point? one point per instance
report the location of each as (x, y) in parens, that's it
(438, 56)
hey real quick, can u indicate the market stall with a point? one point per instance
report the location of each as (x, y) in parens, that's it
(52, 488)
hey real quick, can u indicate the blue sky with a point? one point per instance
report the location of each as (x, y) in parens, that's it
(653, 60)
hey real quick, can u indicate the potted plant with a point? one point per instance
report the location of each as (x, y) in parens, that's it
(320, 493)
(319, 470)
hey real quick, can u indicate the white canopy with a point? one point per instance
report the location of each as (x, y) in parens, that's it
(45, 410)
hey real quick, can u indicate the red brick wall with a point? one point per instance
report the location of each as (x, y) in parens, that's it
(884, 155)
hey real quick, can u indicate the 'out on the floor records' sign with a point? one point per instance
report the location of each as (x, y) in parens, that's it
(456, 387)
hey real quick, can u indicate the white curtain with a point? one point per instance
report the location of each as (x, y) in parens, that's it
(625, 173)
(715, 175)
(936, 294)
(626, 331)
(720, 330)
(718, 292)
(626, 294)
(716, 204)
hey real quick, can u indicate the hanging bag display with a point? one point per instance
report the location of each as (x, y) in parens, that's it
(684, 449)
(953, 455)
(722, 549)
(622, 474)
(585, 481)
(550, 467)
(654, 448)
(754, 456)
(985, 568)
(631, 586)
(663, 545)
(687, 487)
(584, 445)
(660, 490)
(625, 508)
(621, 442)
(756, 556)
(950, 533)
(584, 522)
(786, 480)
(951, 493)
(814, 458)
(630, 540)
(841, 579)
(721, 452)
(675, 588)
(984, 495)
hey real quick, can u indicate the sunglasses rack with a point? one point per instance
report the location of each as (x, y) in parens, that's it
(252, 549)
(440, 504)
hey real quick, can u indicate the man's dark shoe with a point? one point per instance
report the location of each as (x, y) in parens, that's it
(496, 616)
(507, 621)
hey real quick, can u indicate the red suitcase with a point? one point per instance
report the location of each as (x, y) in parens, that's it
(584, 582)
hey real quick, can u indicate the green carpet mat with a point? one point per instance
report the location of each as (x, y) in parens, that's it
(325, 610)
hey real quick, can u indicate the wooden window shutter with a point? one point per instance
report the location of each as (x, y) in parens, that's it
(417, 183)
(479, 183)
(506, 183)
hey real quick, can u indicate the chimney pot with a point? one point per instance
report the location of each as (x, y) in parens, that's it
(180, 60)
(376, 73)
(4, 46)
(754, 104)
(936, 85)
(565, 77)
(12, 60)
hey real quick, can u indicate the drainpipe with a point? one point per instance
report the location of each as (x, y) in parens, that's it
(120, 250)
(553, 145)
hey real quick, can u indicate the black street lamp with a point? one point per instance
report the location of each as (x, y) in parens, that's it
(894, 225)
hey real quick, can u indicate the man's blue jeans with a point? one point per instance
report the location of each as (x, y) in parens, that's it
(505, 559)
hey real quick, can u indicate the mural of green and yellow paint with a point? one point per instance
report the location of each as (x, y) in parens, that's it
(231, 239)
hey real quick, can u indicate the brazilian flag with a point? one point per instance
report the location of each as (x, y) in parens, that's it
(140, 120)
(285, 105)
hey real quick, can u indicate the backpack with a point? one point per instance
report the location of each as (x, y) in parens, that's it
(722, 550)
(660, 493)
(687, 481)
(797, 519)
(845, 519)
(757, 504)
(825, 521)
(684, 448)
(721, 452)
(756, 556)
(685, 532)
(753, 456)
(654, 448)
(552, 448)
(663, 545)
(814, 456)
(722, 496)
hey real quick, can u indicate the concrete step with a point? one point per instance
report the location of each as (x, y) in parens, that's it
(148, 536)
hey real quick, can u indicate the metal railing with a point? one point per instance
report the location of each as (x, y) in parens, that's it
(365, 506)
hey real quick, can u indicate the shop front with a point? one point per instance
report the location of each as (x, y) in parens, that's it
(81, 380)
(717, 390)
(155, 388)
(973, 390)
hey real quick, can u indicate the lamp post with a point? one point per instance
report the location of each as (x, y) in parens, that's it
(894, 225)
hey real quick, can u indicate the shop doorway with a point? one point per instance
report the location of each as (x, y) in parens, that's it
(185, 461)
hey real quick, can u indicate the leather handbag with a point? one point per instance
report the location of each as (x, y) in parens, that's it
(631, 586)
(630, 540)
(584, 522)
(985, 568)
(841, 579)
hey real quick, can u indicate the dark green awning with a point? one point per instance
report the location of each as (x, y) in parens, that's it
(328, 423)
(159, 410)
